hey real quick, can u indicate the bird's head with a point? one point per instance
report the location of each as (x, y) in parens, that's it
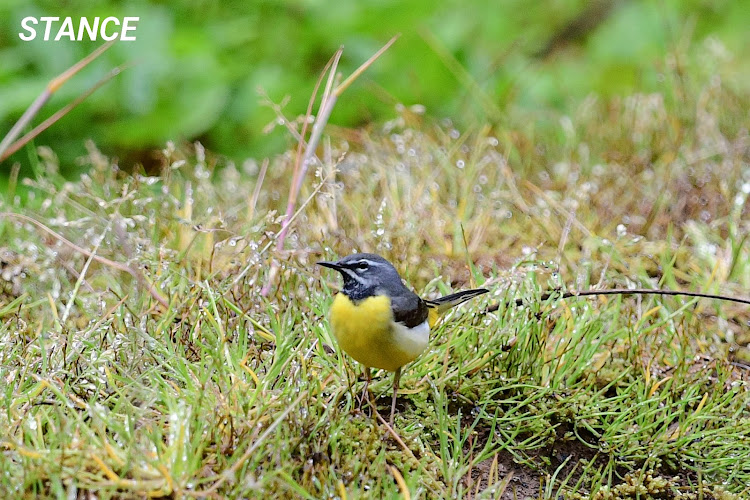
(365, 274)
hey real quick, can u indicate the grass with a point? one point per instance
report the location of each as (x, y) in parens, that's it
(227, 393)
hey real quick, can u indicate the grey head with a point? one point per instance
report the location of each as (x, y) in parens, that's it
(367, 274)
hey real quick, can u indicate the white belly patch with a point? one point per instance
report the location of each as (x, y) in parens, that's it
(412, 341)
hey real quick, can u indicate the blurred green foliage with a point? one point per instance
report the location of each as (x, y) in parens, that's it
(198, 65)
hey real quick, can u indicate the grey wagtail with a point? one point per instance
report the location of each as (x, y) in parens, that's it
(378, 321)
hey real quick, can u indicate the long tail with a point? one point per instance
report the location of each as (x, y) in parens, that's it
(440, 305)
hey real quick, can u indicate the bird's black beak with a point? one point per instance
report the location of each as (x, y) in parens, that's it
(332, 265)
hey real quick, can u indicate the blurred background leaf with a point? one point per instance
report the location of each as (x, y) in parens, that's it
(198, 65)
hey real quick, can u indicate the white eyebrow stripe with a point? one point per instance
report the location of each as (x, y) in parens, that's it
(368, 261)
(371, 263)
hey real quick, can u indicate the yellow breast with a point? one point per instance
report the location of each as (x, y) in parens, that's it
(366, 331)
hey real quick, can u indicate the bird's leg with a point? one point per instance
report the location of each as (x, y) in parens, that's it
(365, 394)
(396, 378)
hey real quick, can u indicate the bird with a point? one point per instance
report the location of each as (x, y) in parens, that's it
(380, 322)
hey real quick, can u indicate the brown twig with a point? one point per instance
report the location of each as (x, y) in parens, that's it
(302, 163)
(59, 114)
(256, 192)
(392, 431)
(51, 88)
(299, 170)
(625, 291)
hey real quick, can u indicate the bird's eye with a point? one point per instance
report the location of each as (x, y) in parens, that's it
(362, 265)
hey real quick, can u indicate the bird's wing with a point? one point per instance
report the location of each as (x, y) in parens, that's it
(409, 309)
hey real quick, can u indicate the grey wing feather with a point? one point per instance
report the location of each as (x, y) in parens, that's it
(409, 309)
